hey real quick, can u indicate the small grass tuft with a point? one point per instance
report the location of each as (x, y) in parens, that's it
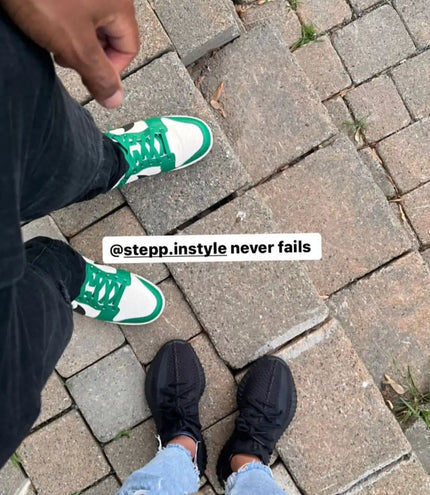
(309, 35)
(122, 434)
(356, 128)
(16, 460)
(293, 4)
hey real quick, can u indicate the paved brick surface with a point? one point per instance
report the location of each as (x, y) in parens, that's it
(44, 452)
(364, 51)
(76, 217)
(404, 479)
(197, 27)
(114, 385)
(91, 340)
(372, 161)
(345, 206)
(393, 301)
(122, 222)
(283, 479)
(55, 399)
(380, 104)
(331, 379)
(176, 322)
(419, 437)
(413, 82)
(405, 155)
(417, 208)
(108, 486)
(324, 14)
(132, 452)
(340, 115)
(416, 14)
(219, 398)
(323, 66)
(238, 303)
(265, 89)
(164, 202)
(42, 226)
(399, 212)
(360, 5)
(11, 478)
(426, 256)
(277, 13)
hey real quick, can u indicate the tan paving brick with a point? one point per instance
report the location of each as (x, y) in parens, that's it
(123, 223)
(54, 399)
(42, 226)
(283, 479)
(340, 115)
(417, 208)
(342, 203)
(324, 14)
(380, 104)
(364, 51)
(108, 486)
(11, 479)
(238, 303)
(360, 5)
(43, 457)
(387, 318)
(372, 161)
(324, 68)
(416, 14)
(426, 256)
(418, 436)
(342, 430)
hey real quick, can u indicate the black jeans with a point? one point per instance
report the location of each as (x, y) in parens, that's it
(52, 154)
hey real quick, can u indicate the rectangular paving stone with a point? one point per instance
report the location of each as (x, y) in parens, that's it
(91, 340)
(114, 385)
(176, 322)
(340, 116)
(238, 304)
(323, 66)
(360, 5)
(405, 478)
(416, 14)
(324, 14)
(166, 201)
(405, 155)
(55, 399)
(373, 43)
(42, 226)
(343, 203)
(76, 217)
(11, 479)
(133, 450)
(399, 212)
(197, 27)
(63, 457)
(418, 436)
(108, 486)
(372, 161)
(417, 208)
(412, 79)
(380, 104)
(283, 479)
(219, 397)
(387, 318)
(342, 430)
(124, 223)
(267, 100)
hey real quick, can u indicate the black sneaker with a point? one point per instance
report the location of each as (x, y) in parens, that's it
(267, 401)
(174, 385)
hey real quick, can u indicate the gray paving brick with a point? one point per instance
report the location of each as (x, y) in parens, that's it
(11, 479)
(277, 13)
(43, 457)
(197, 27)
(360, 433)
(91, 340)
(108, 486)
(324, 14)
(403, 479)
(426, 256)
(238, 303)
(324, 68)
(124, 223)
(365, 51)
(42, 226)
(76, 217)
(176, 322)
(345, 206)
(418, 436)
(417, 207)
(54, 399)
(387, 318)
(380, 104)
(267, 100)
(413, 82)
(372, 161)
(283, 479)
(405, 155)
(219, 398)
(114, 385)
(165, 201)
(360, 5)
(133, 451)
(416, 14)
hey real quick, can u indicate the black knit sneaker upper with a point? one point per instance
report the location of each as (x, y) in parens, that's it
(174, 385)
(267, 400)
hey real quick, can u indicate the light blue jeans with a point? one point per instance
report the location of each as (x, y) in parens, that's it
(172, 472)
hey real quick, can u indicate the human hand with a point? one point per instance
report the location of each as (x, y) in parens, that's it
(97, 38)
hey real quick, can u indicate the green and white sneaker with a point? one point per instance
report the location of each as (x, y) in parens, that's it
(118, 296)
(162, 144)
